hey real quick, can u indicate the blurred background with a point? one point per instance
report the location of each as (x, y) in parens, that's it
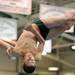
(61, 59)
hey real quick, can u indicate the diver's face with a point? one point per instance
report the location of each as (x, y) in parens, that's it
(29, 59)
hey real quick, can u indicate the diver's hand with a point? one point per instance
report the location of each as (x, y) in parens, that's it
(10, 50)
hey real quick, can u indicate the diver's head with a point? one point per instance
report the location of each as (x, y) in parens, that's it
(29, 63)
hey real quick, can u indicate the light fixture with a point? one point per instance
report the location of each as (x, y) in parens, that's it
(73, 47)
(13, 58)
(53, 68)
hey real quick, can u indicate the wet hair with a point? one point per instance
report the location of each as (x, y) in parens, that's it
(28, 69)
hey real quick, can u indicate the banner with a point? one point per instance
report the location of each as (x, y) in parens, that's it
(8, 29)
(16, 6)
(49, 10)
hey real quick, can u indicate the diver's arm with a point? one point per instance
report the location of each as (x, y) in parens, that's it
(39, 37)
(9, 47)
